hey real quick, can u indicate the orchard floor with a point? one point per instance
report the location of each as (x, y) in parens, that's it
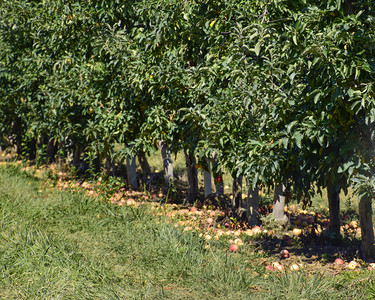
(68, 238)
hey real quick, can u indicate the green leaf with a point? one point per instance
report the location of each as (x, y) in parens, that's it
(257, 48)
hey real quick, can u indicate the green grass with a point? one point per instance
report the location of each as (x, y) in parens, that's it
(65, 245)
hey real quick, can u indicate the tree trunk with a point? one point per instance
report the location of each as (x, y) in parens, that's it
(76, 155)
(218, 176)
(109, 165)
(279, 203)
(237, 194)
(31, 149)
(367, 230)
(146, 170)
(96, 164)
(51, 150)
(131, 171)
(167, 164)
(333, 192)
(192, 175)
(252, 206)
(207, 180)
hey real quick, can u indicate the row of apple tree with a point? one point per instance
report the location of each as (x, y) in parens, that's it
(277, 92)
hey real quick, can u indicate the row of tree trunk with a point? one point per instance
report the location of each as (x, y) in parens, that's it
(47, 150)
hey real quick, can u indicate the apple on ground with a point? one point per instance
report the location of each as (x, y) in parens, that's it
(353, 224)
(284, 253)
(339, 261)
(193, 209)
(297, 231)
(270, 268)
(294, 267)
(278, 266)
(256, 230)
(233, 248)
(352, 265)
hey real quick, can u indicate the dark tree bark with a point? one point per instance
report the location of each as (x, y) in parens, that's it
(109, 165)
(237, 194)
(97, 164)
(367, 229)
(146, 170)
(77, 155)
(192, 175)
(252, 206)
(218, 175)
(333, 191)
(51, 150)
(31, 149)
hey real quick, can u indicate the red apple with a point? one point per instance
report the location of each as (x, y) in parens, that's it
(339, 261)
(284, 253)
(193, 209)
(233, 248)
(270, 268)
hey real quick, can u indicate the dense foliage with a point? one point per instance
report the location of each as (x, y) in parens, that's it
(282, 91)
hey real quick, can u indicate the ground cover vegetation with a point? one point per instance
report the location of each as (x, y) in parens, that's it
(279, 94)
(60, 240)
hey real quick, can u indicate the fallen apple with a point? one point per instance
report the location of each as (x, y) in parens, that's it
(238, 242)
(279, 267)
(284, 253)
(353, 224)
(256, 230)
(270, 268)
(352, 265)
(193, 209)
(339, 261)
(371, 267)
(297, 231)
(294, 267)
(233, 248)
